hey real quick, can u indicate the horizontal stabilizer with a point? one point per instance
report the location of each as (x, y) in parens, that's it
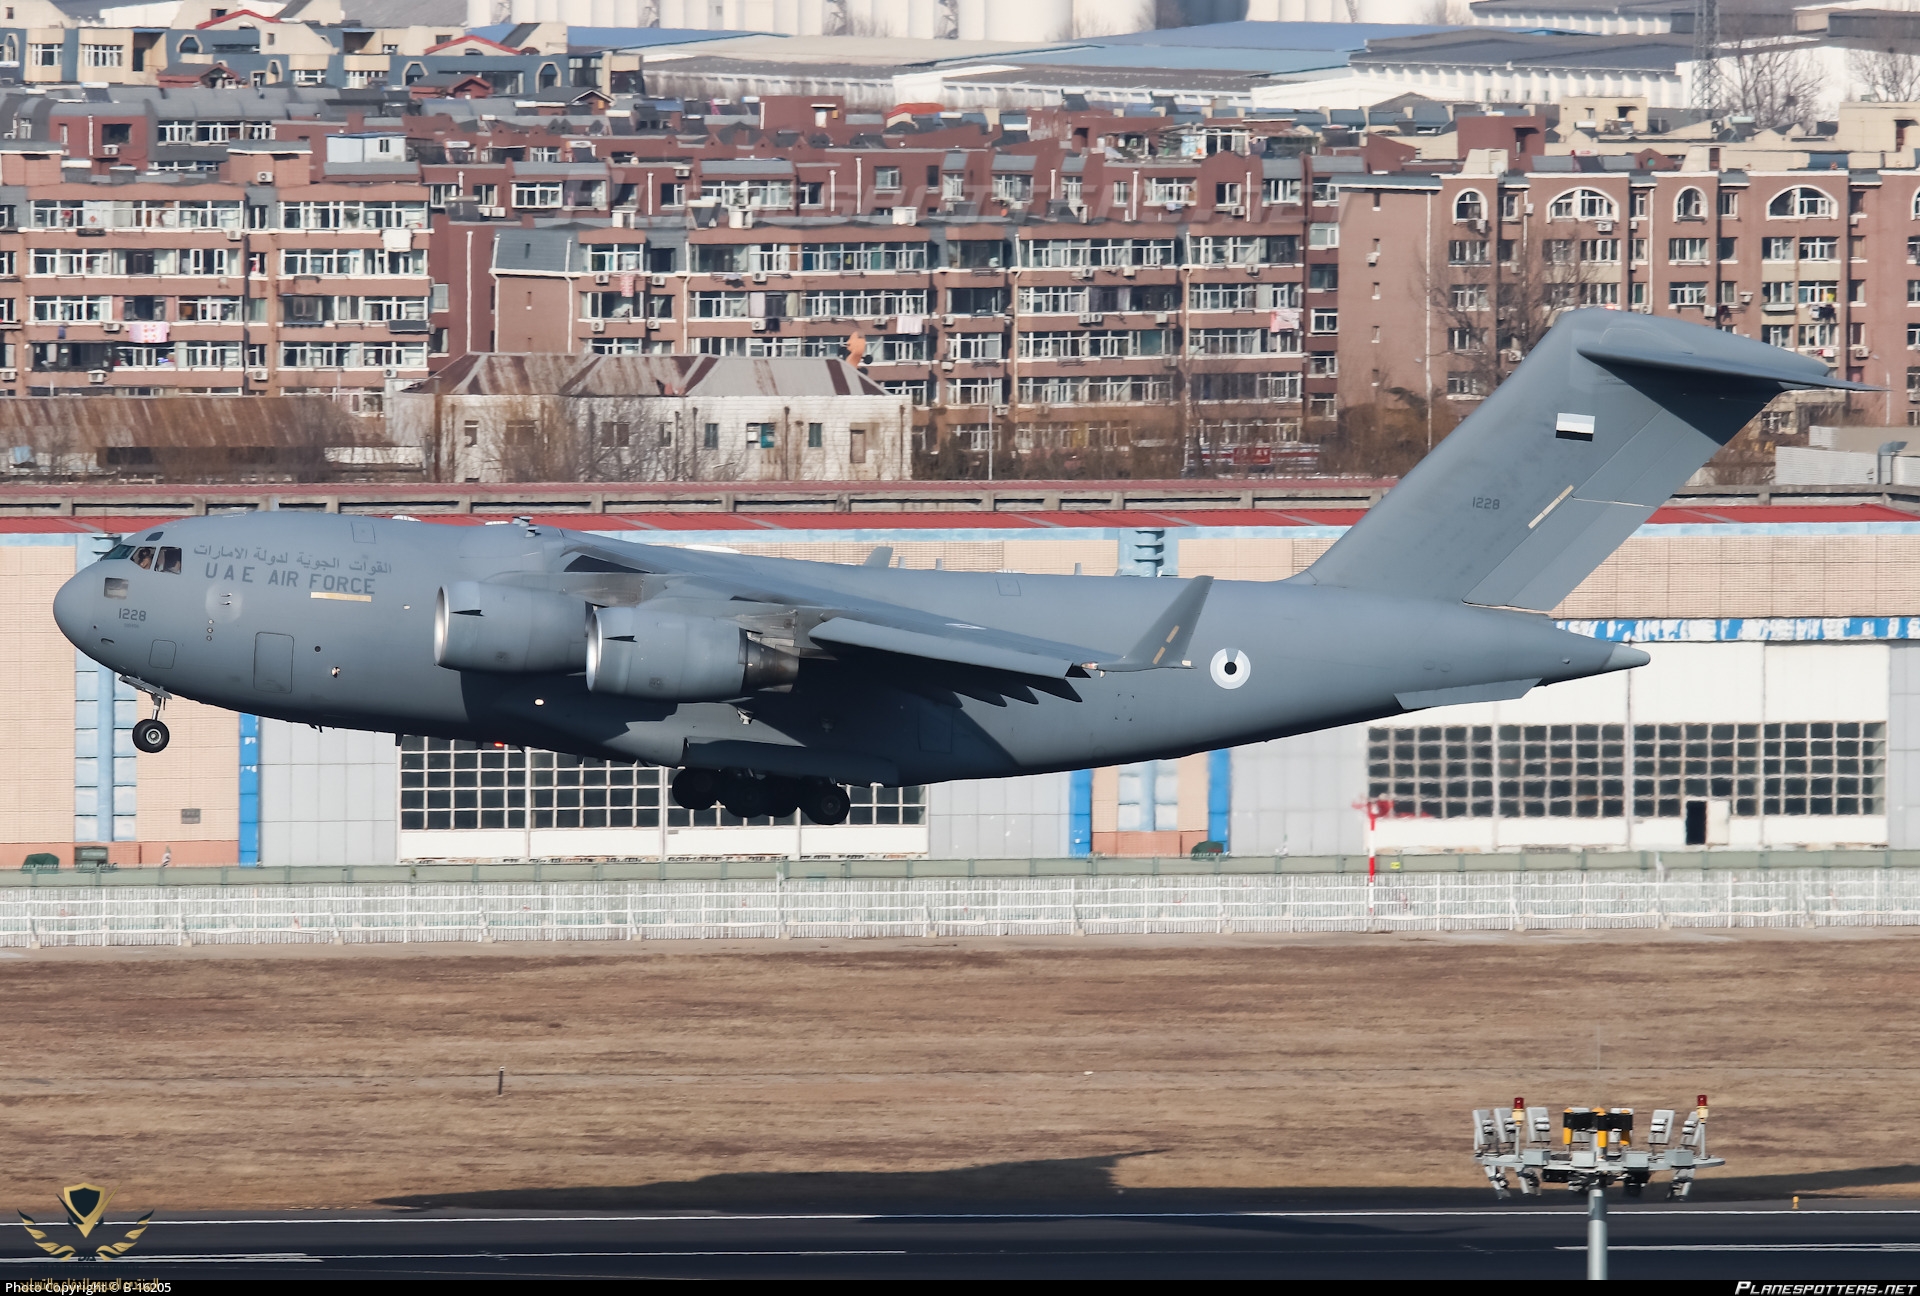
(1784, 367)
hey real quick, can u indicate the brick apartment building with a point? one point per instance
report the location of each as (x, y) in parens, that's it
(1147, 293)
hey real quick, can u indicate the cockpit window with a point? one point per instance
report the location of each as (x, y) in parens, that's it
(118, 551)
(155, 535)
(169, 560)
(116, 587)
(143, 556)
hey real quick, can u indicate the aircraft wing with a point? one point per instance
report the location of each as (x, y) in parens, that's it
(955, 641)
(1163, 645)
(838, 618)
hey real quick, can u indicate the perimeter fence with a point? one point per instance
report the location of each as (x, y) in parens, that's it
(282, 914)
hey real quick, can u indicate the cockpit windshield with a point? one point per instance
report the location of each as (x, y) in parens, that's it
(118, 551)
(165, 558)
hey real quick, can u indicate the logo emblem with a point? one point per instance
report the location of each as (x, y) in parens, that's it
(86, 1207)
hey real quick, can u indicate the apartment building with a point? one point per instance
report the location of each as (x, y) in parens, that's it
(1146, 294)
(281, 273)
(1459, 272)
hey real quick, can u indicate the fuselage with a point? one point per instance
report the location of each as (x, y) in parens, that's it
(329, 620)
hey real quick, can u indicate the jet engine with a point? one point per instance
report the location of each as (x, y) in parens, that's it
(669, 657)
(479, 626)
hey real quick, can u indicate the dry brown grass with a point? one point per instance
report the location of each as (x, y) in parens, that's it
(333, 1077)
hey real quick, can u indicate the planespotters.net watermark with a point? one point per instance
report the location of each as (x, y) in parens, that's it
(1824, 1289)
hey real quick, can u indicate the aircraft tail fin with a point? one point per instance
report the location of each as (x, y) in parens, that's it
(1597, 428)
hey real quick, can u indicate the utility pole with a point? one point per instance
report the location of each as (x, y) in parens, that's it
(1706, 56)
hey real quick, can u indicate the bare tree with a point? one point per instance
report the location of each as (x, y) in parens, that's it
(1888, 69)
(1774, 81)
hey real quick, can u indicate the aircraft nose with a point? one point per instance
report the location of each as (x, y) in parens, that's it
(74, 606)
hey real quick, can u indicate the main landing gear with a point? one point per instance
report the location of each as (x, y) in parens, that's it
(749, 796)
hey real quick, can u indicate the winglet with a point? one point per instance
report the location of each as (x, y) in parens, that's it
(1165, 645)
(879, 556)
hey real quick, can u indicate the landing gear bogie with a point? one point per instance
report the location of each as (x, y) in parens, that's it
(747, 796)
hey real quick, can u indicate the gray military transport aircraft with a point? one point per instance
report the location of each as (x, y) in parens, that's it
(770, 683)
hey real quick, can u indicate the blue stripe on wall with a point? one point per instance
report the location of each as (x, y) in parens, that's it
(1080, 813)
(249, 791)
(1749, 629)
(1219, 796)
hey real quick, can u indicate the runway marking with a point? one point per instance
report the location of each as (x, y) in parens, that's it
(263, 1257)
(1763, 1246)
(301, 1257)
(1547, 1212)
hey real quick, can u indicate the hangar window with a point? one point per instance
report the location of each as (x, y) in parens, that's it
(1505, 771)
(1825, 768)
(878, 805)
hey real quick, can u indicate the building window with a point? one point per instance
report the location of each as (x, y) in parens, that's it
(1149, 799)
(886, 177)
(1280, 192)
(536, 194)
(710, 438)
(1687, 294)
(875, 805)
(1325, 320)
(1466, 384)
(1470, 206)
(1569, 771)
(1466, 252)
(1690, 205)
(1687, 251)
(1729, 203)
(43, 56)
(815, 435)
(1800, 203)
(1013, 188)
(1582, 204)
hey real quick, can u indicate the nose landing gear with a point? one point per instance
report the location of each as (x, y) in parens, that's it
(150, 736)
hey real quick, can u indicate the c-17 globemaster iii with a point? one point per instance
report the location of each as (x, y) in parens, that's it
(771, 683)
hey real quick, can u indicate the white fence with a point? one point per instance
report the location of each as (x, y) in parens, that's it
(269, 914)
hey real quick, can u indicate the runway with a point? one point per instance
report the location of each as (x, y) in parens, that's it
(1841, 1241)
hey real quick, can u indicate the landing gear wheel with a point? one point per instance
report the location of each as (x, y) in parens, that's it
(783, 796)
(693, 789)
(825, 803)
(150, 736)
(744, 796)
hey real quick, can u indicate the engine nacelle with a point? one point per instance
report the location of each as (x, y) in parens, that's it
(479, 626)
(673, 658)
